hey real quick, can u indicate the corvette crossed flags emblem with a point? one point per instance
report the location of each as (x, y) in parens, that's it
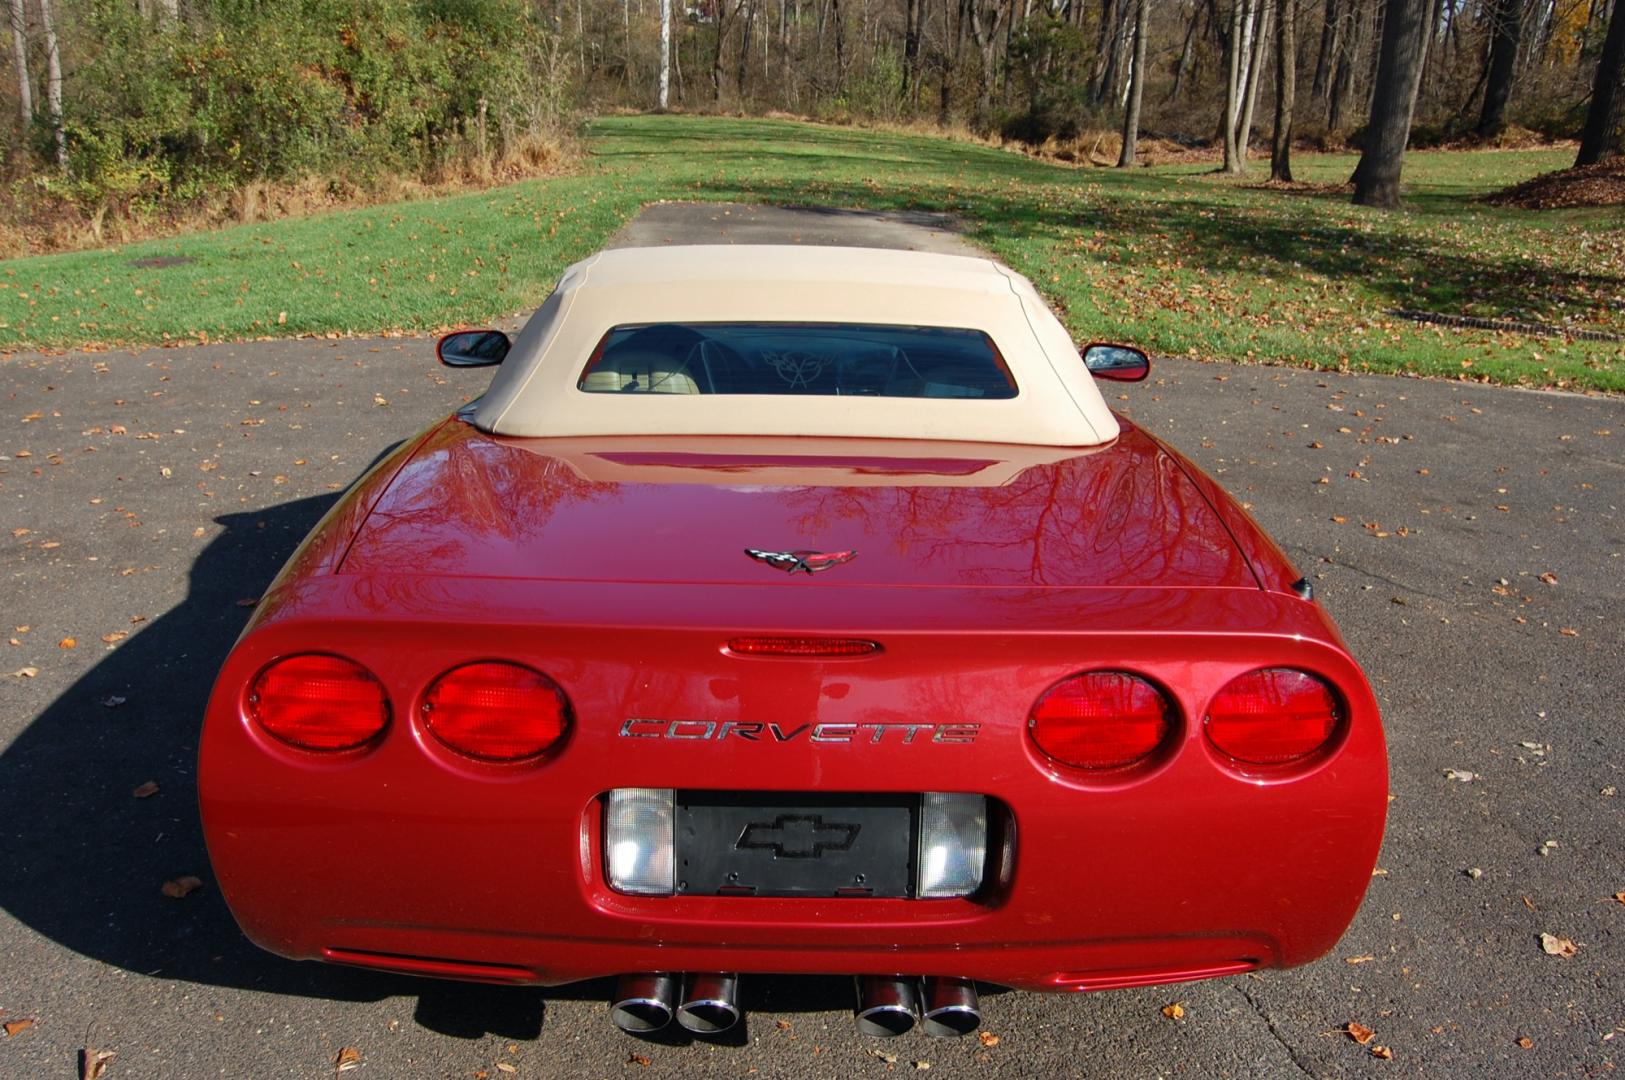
(803, 562)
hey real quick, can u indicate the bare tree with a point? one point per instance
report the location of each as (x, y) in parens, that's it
(1261, 45)
(1399, 70)
(1286, 88)
(985, 34)
(19, 50)
(1136, 91)
(1232, 87)
(1600, 139)
(1506, 34)
(53, 82)
(664, 100)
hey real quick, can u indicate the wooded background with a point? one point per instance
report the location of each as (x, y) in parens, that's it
(142, 102)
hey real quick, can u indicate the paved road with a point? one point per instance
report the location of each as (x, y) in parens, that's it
(143, 496)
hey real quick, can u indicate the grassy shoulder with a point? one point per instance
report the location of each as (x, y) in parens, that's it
(1171, 258)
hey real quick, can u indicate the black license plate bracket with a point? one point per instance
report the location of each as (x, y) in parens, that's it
(796, 844)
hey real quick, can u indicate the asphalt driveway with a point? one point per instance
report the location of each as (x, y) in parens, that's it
(1469, 540)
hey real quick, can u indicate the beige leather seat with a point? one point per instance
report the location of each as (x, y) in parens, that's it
(636, 372)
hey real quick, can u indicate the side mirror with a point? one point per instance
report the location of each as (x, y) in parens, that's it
(1122, 363)
(473, 348)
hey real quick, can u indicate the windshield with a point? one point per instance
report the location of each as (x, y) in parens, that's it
(799, 359)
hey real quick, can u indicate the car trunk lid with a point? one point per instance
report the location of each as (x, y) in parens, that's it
(909, 513)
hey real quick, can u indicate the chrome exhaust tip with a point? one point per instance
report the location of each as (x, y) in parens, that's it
(710, 1003)
(887, 1005)
(644, 1002)
(950, 1007)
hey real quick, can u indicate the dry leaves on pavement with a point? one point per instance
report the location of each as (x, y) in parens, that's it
(348, 1058)
(182, 886)
(14, 1027)
(93, 1062)
(1558, 946)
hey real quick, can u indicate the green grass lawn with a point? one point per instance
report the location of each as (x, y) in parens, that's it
(1171, 258)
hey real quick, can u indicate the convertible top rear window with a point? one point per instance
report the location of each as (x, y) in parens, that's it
(798, 359)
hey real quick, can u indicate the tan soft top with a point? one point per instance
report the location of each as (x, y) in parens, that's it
(535, 391)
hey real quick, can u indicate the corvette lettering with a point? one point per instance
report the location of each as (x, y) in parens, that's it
(873, 734)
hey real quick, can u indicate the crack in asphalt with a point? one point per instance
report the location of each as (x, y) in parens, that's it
(1275, 1033)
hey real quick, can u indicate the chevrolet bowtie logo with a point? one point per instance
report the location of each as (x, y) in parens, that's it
(798, 836)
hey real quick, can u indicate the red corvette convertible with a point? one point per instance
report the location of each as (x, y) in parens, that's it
(788, 610)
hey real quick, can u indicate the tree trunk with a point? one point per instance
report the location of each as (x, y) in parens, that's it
(950, 58)
(1399, 69)
(1601, 137)
(1232, 88)
(1286, 89)
(19, 49)
(1136, 90)
(1112, 78)
(53, 83)
(1348, 58)
(742, 75)
(987, 40)
(664, 100)
(1261, 45)
(1331, 36)
(716, 55)
(912, 11)
(1109, 16)
(1185, 53)
(1506, 32)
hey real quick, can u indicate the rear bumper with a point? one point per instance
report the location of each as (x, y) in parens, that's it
(404, 858)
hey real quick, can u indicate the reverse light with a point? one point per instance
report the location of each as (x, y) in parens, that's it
(639, 825)
(495, 711)
(1273, 717)
(316, 701)
(1101, 720)
(953, 844)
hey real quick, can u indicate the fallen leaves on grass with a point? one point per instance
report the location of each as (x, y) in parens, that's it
(1558, 946)
(182, 886)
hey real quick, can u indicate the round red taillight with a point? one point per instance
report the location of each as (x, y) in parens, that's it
(1101, 720)
(496, 711)
(1273, 717)
(319, 702)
